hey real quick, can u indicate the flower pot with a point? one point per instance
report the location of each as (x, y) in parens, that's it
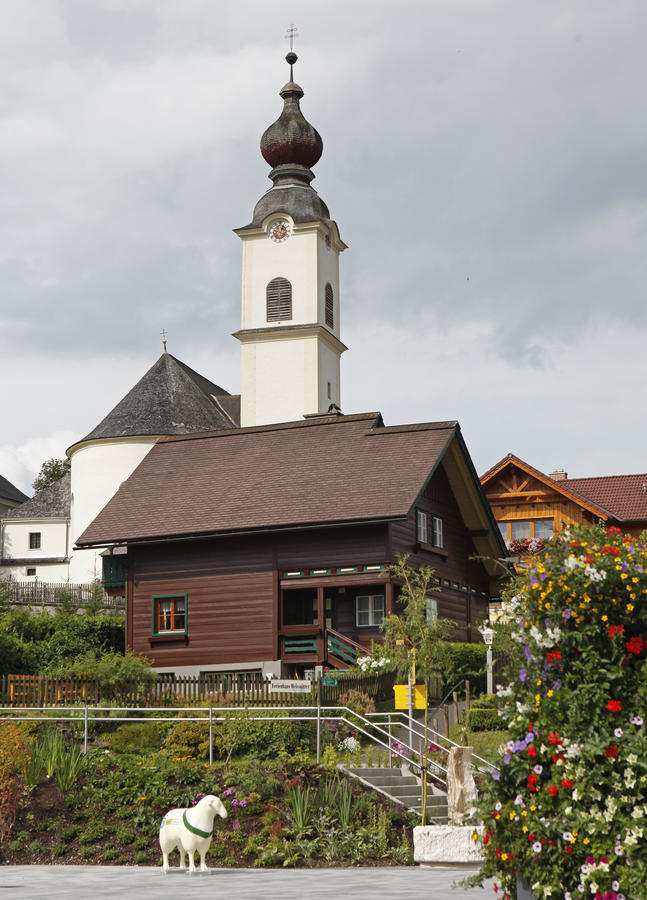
(523, 890)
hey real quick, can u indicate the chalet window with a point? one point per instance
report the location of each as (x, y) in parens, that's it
(431, 610)
(279, 300)
(422, 526)
(169, 614)
(503, 528)
(330, 306)
(31, 571)
(543, 528)
(519, 529)
(34, 540)
(369, 609)
(437, 537)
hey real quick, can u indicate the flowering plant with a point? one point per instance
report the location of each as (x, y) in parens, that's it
(566, 809)
(528, 545)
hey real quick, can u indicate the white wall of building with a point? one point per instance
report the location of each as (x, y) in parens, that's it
(98, 469)
(53, 538)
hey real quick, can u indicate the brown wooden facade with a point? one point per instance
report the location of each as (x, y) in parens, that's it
(290, 595)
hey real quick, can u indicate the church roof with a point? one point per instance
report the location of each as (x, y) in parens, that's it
(171, 398)
(324, 470)
(9, 491)
(52, 502)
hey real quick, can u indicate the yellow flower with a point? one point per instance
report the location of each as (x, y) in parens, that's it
(585, 840)
(524, 828)
(605, 618)
(630, 607)
(523, 812)
(533, 808)
(550, 693)
(513, 815)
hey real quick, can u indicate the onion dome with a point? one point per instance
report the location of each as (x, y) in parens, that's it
(291, 145)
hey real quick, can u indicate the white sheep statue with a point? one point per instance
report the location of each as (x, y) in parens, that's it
(190, 830)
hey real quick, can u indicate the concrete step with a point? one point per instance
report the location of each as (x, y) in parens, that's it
(403, 789)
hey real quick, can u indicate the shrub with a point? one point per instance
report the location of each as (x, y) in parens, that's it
(125, 836)
(86, 852)
(109, 853)
(135, 738)
(484, 720)
(141, 857)
(459, 661)
(59, 850)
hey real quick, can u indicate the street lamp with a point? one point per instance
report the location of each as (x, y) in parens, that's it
(488, 634)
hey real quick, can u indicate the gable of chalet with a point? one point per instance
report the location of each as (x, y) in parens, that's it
(514, 483)
(308, 474)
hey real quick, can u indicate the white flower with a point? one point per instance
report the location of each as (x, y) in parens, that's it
(567, 836)
(537, 847)
(618, 732)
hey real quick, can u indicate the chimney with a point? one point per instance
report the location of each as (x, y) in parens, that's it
(559, 475)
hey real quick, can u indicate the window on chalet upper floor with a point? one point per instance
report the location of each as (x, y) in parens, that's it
(278, 296)
(429, 529)
(34, 540)
(169, 614)
(519, 529)
(526, 529)
(369, 610)
(330, 307)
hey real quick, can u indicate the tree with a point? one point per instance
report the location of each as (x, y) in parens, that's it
(51, 471)
(413, 628)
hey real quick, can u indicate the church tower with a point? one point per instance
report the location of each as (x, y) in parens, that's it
(290, 287)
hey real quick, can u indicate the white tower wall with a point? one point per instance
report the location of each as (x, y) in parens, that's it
(98, 469)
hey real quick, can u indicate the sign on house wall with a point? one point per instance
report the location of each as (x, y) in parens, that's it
(288, 686)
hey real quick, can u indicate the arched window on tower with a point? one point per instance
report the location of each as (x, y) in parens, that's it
(330, 306)
(279, 300)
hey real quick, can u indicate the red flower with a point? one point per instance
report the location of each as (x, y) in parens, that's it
(557, 756)
(567, 783)
(532, 782)
(612, 529)
(554, 738)
(611, 751)
(531, 750)
(531, 837)
(574, 544)
(635, 645)
(616, 629)
(614, 705)
(611, 550)
(552, 789)
(569, 849)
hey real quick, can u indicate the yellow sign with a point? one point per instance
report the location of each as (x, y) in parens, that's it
(418, 701)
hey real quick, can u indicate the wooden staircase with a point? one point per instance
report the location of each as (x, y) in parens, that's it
(341, 651)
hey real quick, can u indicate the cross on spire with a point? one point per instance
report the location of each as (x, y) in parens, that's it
(291, 58)
(163, 333)
(290, 35)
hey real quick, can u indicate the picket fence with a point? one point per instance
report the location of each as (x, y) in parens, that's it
(233, 689)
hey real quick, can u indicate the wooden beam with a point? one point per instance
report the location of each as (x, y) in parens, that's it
(510, 494)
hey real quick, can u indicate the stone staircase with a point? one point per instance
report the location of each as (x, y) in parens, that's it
(404, 788)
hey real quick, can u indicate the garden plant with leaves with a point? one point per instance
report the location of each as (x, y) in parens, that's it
(566, 810)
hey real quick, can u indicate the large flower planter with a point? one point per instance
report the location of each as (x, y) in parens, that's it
(523, 890)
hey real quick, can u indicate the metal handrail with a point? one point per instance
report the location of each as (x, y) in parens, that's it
(414, 725)
(317, 714)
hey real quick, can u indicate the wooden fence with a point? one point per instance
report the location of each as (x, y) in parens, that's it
(229, 688)
(43, 594)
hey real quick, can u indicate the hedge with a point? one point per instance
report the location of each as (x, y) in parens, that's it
(484, 720)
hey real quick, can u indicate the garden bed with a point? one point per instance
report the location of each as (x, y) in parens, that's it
(112, 812)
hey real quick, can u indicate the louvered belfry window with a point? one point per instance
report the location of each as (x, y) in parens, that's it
(279, 300)
(330, 315)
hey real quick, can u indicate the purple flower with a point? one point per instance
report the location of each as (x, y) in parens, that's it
(522, 675)
(235, 802)
(519, 746)
(533, 580)
(529, 738)
(526, 650)
(639, 569)
(558, 684)
(567, 613)
(243, 803)
(228, 792)
(506, 760)
(496, 774)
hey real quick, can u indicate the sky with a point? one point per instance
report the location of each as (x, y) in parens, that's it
(485, 161)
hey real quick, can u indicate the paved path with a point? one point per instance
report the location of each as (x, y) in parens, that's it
(147, 883)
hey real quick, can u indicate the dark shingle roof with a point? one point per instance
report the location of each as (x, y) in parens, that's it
(625, 496)
(52, 501)
(320, 471)
(170, 399)
(9, 491)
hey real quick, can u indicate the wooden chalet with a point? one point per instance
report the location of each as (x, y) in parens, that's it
(529, 504)
(267, 548)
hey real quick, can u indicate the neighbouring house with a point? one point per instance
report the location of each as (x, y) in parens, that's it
(267, 548)
(35, 538)
(530, 506)
(10, 496)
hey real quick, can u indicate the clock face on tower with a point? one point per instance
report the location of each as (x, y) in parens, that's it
(280, 231)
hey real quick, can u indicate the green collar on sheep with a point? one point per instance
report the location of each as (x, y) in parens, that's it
(193, 829)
